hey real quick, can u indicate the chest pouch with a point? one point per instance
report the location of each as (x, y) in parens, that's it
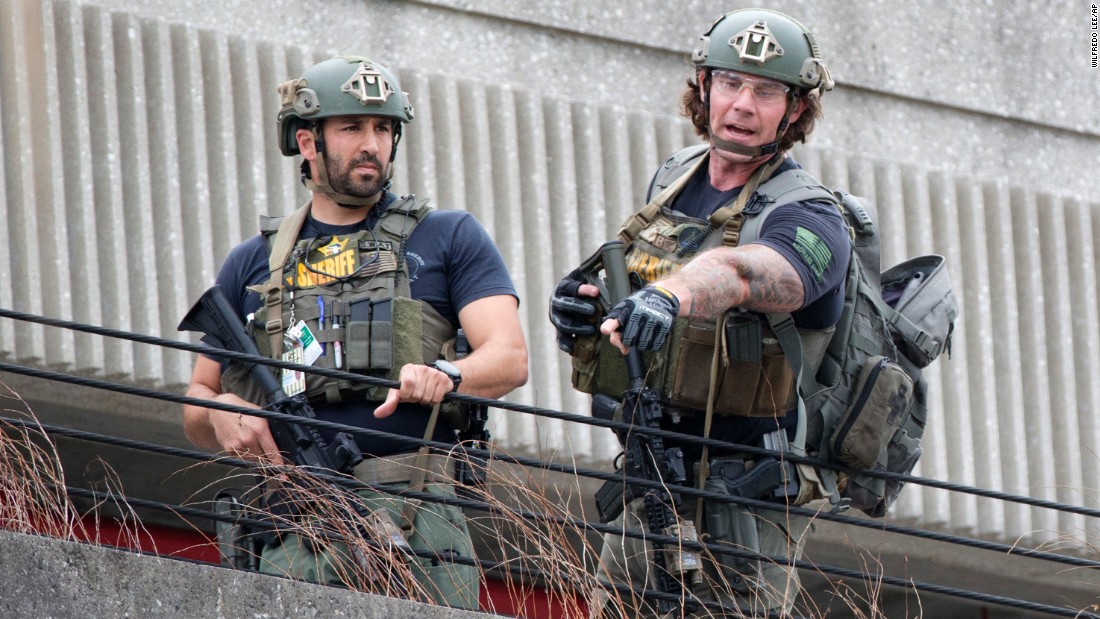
(754, 378)
(346, 292)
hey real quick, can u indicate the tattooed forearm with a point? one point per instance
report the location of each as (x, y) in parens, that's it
(774, 291)
(753, 277)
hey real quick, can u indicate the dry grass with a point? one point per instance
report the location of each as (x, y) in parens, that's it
(32, 483)
(552, 558)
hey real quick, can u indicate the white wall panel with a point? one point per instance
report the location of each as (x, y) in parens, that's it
(76, 152)
(18, 43)
(107, 167)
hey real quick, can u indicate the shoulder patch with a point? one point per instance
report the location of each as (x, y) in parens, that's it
(813, 250)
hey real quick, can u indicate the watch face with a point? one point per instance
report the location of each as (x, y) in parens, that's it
(448, 368)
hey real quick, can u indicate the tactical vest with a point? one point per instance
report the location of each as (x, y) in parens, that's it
(859, 387)
(360, 282)
(754, 378)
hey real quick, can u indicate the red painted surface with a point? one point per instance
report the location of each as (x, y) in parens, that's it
(166, 541)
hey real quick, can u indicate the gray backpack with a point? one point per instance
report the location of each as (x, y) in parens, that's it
(866, 406)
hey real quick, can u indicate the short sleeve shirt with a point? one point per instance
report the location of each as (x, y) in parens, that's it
(452, 262)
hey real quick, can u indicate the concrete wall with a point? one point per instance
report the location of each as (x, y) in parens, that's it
(138, 135)
(66, 580)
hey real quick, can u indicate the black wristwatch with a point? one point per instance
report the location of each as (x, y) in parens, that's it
(451, 370)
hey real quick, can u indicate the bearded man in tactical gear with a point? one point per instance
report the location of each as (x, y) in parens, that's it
(339, 269)
(710, 273)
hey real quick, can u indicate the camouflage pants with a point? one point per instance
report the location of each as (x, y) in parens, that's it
(436, 528)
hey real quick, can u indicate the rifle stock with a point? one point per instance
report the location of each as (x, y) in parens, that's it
(213, 316)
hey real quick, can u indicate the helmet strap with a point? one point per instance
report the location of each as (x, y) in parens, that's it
(752, 151)
(322, 185)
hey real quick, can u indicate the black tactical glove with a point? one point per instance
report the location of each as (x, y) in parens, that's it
(572, 315)
(646, 317)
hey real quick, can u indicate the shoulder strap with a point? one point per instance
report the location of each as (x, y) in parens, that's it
(396, 224)
(675, 167)
(787, 188)
(272, 292)
(676, 172)
(731, 217)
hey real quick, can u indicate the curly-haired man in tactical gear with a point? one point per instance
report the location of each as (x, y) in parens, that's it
(755, 91)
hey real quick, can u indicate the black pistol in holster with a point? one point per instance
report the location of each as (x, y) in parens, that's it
(645, 457)
(770, 478)
(470, 470)
(303, 445)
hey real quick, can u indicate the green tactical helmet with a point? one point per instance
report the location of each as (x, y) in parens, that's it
(344, 86)
(764, 43)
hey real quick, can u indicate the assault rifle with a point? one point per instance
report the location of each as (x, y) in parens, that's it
(645, 455)
(303, 445)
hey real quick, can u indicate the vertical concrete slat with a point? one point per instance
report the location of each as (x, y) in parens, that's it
(137, 193)
(567, 250)
(53, 233)
(948, 422)
(281, 173)
(990, 229)
(8, 340)
(107, 170)
(441, 94)
(167, 203)
(26, 274)
(1080, 247)
(77, 149)
(891, 212)
(221, 142)
(199, 258)
(615, 142)
(1011, 404)
(597, 224)
(418, 144)
(248, 94)
(1057, 326)
(8, 345)
(1038, 399)
(978, 432)
(644, 156)
(477, 153)
(536, 212)
(997, 421)
(861, 179)
(504, 151)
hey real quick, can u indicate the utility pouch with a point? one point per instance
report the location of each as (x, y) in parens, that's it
(920, 290)
(369, 344)
(883, 397)
(744, 337)
(750, 384)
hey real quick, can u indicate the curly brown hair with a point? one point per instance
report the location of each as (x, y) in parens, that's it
(693, 108)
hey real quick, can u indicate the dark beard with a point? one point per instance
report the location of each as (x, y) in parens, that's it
(341, 181)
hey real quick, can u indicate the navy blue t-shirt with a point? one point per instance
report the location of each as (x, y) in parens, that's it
(452, 262)
(813, 237)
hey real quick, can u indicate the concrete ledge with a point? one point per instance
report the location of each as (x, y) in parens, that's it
(42, 577)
